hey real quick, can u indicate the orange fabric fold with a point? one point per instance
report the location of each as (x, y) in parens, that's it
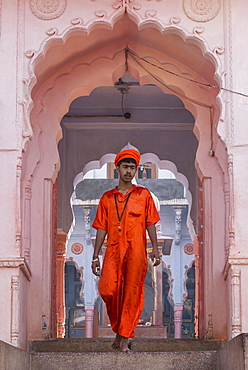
(124, 267)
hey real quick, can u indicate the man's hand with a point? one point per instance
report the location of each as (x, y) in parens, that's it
(95, 266)
(95, 263)
(153, 237)
(155, 257)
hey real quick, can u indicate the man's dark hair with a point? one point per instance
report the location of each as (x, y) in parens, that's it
(126, 160)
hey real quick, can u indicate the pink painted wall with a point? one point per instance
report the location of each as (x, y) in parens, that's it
(58, 54)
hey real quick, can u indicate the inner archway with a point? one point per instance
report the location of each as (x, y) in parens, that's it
(172, 237)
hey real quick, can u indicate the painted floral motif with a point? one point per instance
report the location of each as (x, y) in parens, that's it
(189, 249)
(47, 9)
(77, 248)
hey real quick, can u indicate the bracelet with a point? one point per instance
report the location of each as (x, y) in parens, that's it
(95, 260)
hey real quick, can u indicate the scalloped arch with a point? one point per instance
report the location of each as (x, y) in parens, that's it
(58, 51)
(146, 157)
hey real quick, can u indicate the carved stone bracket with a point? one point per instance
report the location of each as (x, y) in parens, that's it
(15, 263)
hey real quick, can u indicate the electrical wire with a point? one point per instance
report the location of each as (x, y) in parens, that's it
(210, 107)
(183, 77)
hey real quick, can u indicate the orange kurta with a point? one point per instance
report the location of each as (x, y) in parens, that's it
(124, 267)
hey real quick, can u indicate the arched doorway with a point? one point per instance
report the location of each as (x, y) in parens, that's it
(101, 63)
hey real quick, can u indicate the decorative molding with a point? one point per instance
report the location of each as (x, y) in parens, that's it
(175, 20)
(189, 249)
(52, 31)
(118, 5)
(18, 262)
(150, 13)
(219, 50)
(77, 21)
(49, 9)
(15, 293)
(100, 13)
(77, 248)
(198, 30)
(27, 106)
(29, 54)
(201, 10)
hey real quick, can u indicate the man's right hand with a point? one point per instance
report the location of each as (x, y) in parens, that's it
(95, 266)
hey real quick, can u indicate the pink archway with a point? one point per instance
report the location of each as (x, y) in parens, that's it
(73, 65)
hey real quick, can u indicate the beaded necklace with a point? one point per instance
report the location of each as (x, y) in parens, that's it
(119, 216)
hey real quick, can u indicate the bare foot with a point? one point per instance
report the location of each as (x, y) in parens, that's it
(116, 344)
(124, 347)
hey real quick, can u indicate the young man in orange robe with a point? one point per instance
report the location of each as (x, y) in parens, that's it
(124, 214)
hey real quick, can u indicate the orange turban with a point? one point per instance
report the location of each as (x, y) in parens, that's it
(129, 153)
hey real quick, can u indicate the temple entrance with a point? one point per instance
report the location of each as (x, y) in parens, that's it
(189, 146)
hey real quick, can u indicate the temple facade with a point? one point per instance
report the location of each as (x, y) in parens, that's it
(81, 80)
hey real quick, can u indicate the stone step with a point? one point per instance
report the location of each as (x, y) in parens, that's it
(187, 360)
(137, 345)
(149, 354)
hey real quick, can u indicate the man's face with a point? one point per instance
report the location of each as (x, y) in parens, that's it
(127, 171)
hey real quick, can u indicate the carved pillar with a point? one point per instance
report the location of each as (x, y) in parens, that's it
(27, 221)
(231, 205)
(197, 279)
(53, 325)
(178, 314)
(89, 319)
(201, 324)
(87, 223)
(14, 333)
(159, 295)
(18, 205)
(207, 228)
(178, 220)
(235, 301)
(60, 289)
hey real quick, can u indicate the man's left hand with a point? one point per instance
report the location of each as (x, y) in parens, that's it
(155, 258)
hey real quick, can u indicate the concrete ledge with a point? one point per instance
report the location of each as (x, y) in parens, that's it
(140, 332)
(234, 354)
(12, 358)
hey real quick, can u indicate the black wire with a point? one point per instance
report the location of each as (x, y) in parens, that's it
(122, 102)
(185, 78)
